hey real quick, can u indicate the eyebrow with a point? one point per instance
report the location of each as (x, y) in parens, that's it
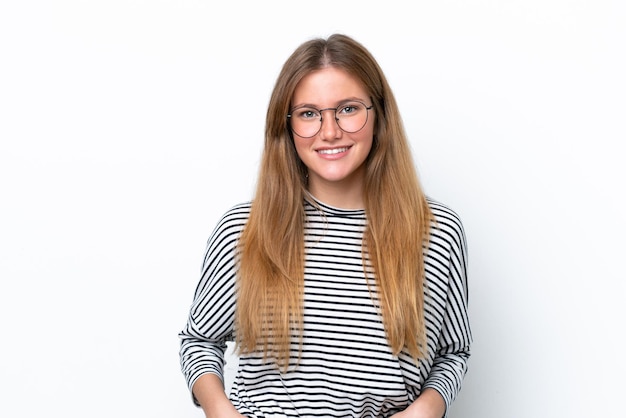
(337, 104)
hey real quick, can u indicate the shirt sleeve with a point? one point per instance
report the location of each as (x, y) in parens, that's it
(453, 346)
(211, 317)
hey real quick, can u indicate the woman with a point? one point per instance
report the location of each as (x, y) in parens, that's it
(342, 285)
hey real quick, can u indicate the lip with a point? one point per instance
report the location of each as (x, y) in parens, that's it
(333, 153)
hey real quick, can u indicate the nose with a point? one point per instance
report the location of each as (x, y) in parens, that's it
(329, 130)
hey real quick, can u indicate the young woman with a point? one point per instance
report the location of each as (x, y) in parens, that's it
(342, 285)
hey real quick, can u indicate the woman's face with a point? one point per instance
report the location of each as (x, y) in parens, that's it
(334, 158)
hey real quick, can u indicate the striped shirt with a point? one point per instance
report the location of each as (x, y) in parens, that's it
(346, 367)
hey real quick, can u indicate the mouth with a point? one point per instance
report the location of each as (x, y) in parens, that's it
(332, 151)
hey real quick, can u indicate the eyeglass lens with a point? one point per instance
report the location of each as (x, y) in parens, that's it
(351, 117)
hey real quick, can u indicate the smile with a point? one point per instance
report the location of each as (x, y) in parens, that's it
(333, 151)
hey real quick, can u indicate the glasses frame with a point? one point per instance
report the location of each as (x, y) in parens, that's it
(334, 109)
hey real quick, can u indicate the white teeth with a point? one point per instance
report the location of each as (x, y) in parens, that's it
(333, 151)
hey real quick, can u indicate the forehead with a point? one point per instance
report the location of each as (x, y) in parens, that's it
(328, 86)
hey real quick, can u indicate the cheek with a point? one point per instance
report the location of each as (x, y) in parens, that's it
(369, 130)
(300, 148)
(367, 144)
(370, 145)
(367, 138)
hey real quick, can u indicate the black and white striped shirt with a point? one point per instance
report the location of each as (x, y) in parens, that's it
(346, 368)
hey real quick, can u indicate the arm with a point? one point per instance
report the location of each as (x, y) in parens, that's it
(447, 317)
(211, 316)
(430, 404)
(208, 390)
(455, 337)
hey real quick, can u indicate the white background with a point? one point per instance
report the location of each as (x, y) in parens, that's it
(128, 127)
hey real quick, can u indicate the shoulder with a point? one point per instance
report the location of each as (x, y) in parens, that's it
(240, 211)
(443, 213)
(233, 220)
(447, 223)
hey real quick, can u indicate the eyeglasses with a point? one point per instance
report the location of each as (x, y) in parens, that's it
(351, 117)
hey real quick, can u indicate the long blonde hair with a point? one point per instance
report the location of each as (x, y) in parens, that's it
(271, 247)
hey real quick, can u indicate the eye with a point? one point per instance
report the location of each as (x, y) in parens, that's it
(349, 108)
(307, 113)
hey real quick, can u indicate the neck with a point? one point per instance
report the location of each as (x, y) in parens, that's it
(343, 196)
